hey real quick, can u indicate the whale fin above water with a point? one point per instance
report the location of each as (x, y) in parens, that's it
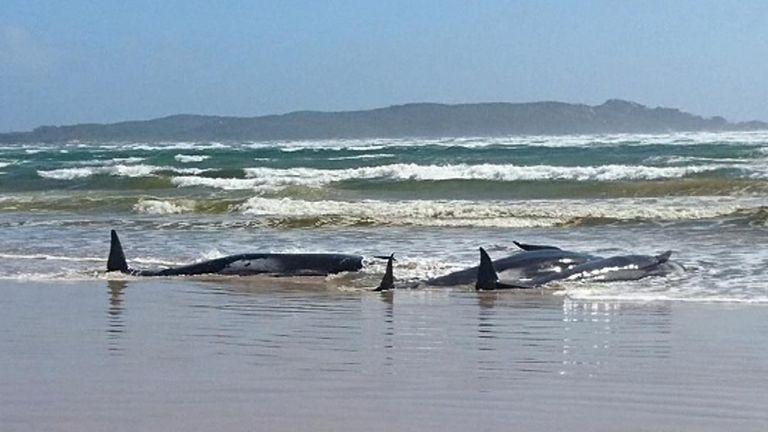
(533, 247)
(486, 274)
(116, 260)
(388, 281)
(662, 258)
(488, 279)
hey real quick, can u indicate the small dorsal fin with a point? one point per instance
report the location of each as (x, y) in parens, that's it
(388, 281)
(533, 247)
(662, 258)
(486, 274)
(116, 260)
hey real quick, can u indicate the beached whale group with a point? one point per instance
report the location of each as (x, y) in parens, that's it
(533, 266)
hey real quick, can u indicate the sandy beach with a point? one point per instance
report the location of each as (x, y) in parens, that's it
(238, 355)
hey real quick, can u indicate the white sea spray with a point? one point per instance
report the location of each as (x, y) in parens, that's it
(183, 158)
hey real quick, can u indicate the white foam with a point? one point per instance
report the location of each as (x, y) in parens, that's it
(510, 214)
(218, 183)
(126, 160)
(190, 158)
(169, 146)
(193, 171)
(119, 170)
(160, 207)
(276, 177)
(140, 260)
(677, 160)
(66, 173)
(50, 257)
(364, 156)
(585, 140)
(212, 254)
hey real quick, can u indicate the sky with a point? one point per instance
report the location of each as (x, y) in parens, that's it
(106, 61)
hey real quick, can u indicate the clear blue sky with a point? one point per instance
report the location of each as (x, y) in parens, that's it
(75, 61)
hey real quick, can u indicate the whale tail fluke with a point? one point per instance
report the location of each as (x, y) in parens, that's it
(388, 281)
(116, 260)
(533, 247)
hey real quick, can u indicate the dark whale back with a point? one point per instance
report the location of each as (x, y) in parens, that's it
(617, 268)
(527, 263)
(279, 264)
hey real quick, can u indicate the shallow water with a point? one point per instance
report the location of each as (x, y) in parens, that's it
(240, 354)
(725, 261)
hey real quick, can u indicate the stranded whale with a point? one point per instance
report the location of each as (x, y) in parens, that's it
(617, 268)
(538, 265)
(530, 263)
(276, 264)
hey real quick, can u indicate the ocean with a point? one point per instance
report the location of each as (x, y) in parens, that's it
(86, 350)
(431, 202)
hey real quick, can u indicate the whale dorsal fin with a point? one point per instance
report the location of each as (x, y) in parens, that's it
(488, 279)
(116, 260)
(662, 258)
(486, 274)
(388, 281)
(533, 247)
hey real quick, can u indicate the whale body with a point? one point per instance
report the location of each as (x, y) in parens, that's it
(616, 268)
(276, 264)
(527, 264)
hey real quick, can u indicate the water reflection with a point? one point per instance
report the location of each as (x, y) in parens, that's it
(115, 323)
(599, 335)
(516, 331)
(546, 333)
(491, 335)
(388, 299)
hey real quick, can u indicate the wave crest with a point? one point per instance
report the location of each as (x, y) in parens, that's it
(190, 158)
(289, 212)
(270, 179)
(119, 170)
(160, 207)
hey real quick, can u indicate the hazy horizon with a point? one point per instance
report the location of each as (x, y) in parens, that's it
(84, 62)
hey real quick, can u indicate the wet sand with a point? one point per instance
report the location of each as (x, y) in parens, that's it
(162, 355)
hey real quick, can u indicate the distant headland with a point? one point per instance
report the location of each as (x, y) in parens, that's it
(399, 121)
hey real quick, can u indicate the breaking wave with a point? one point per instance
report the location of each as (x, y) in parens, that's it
(160, 207)
(119, 170)
(506, 172)
(362, 156)
(218, 183)
(295, 212)
(190, 158)
(273, 178)
(519, 214)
